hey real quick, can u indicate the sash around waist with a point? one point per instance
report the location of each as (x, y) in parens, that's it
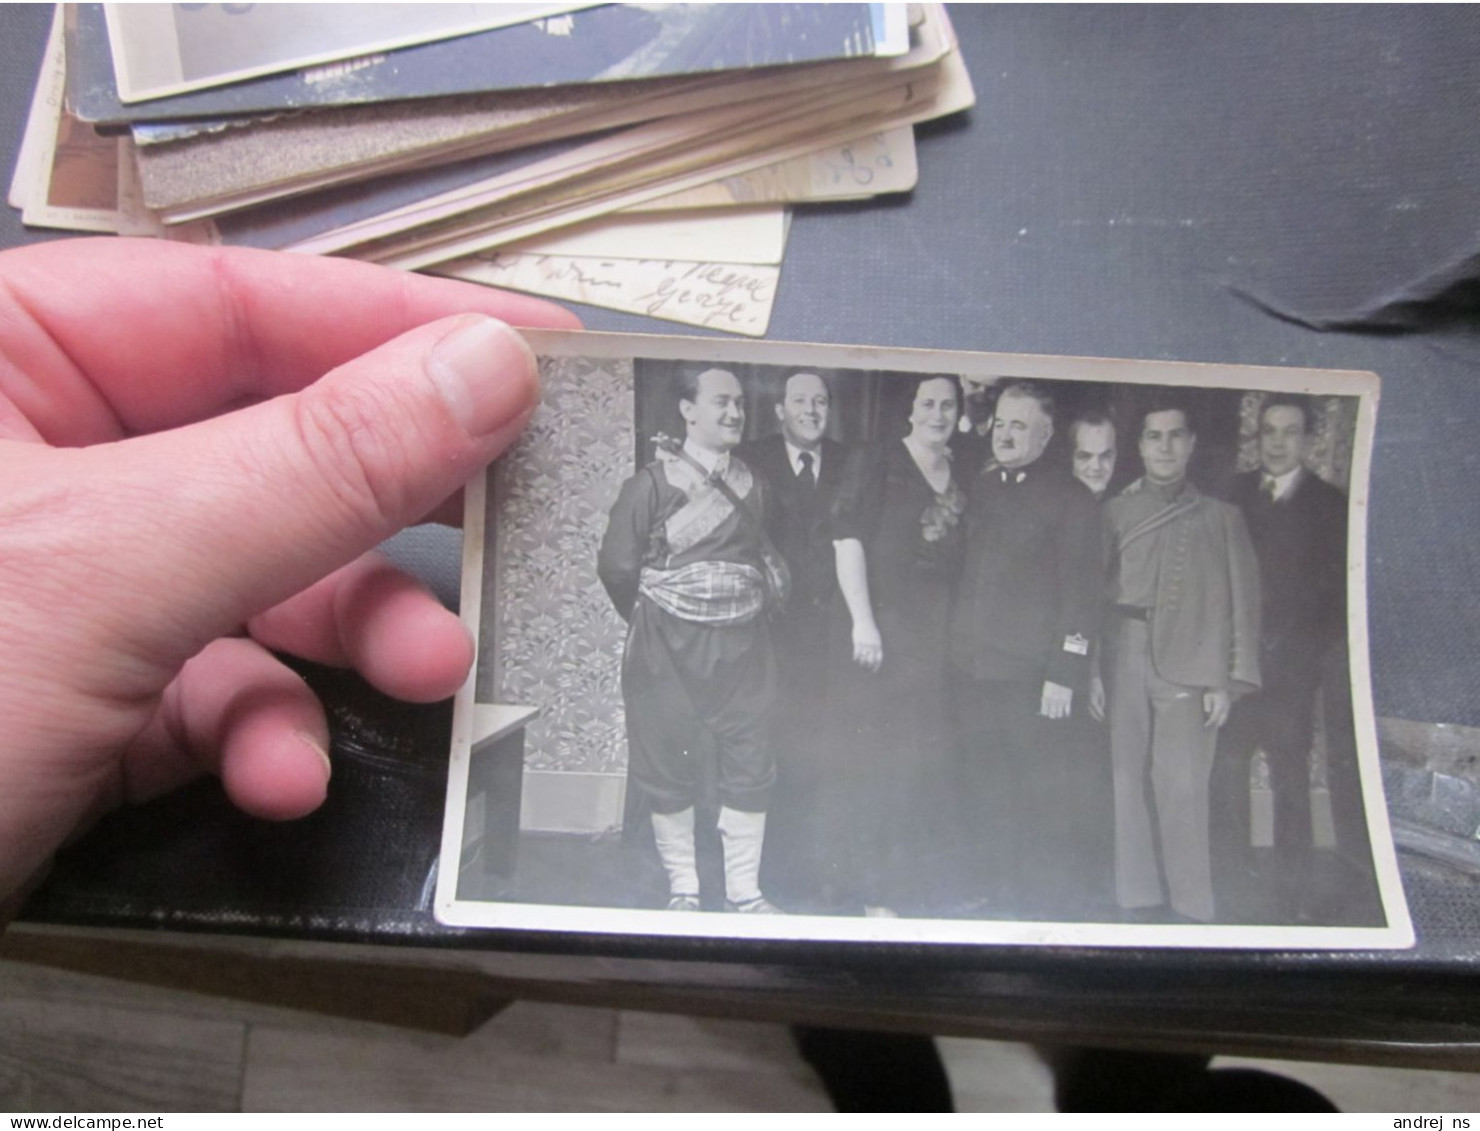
(712, 593)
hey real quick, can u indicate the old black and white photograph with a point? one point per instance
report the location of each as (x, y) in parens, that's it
(163, 49)
(815, 642)
(191, 59)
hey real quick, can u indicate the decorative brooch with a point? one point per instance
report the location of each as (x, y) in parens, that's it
(941, 517)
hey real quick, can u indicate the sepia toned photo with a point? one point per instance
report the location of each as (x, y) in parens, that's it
(810, 642)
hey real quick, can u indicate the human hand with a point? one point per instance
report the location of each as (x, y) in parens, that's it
(1216, 704)
(868, 647)
(1057, 700)
(1097, 698)
(199, 447)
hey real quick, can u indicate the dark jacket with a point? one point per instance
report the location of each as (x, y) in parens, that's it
(1027, 606)
(1300, 542)
(797, 519)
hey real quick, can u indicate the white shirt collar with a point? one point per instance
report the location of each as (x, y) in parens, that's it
(794, 457)
(709, 461)
(1283, 484)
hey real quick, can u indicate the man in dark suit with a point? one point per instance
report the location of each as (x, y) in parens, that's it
(1024, 621)
(971, 449)
(1092, 444)
(1297, 522)
(802, 469)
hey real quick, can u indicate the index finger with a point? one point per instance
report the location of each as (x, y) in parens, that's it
(106, 338)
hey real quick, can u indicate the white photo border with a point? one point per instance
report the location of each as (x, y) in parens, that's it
(585, 920)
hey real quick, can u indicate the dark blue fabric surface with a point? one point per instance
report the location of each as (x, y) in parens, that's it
(1129, 174)
(1129, 181)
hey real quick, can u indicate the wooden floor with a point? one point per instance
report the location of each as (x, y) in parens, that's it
(71, 1042)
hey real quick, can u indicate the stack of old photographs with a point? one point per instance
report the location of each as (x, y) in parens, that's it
(637, 157)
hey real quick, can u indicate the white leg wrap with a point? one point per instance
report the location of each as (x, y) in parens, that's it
(742, 835)
(674, 833)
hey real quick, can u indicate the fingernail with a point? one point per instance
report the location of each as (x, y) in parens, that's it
(485, 372)
(313, 744)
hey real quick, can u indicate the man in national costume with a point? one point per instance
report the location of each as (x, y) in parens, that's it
(682, 563)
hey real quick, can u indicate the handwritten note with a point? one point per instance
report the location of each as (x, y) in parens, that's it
(718, 296)
(712, 235)
(872, 165)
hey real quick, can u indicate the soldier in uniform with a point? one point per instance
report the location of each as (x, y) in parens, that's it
(1185, 644)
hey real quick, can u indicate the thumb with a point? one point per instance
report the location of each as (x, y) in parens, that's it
(207, 525)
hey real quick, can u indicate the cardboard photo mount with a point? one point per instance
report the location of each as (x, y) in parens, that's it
(536, 788)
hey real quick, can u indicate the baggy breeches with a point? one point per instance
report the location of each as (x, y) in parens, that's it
(689, 688)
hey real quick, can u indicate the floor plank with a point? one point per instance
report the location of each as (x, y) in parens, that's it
(996, 1075)
(24, 981)
(392, 993)
(63, 1055)
(80, 1042)
(297, 1070)
(667, 1040)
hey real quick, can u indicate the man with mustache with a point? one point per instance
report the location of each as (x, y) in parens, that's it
(1024, 620)
(682, 563)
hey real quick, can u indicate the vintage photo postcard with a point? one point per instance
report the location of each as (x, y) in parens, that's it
(607, 43)
(67, 175)
(805, 642)
(164, 49)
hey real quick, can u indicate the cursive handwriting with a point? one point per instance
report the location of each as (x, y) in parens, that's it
(721, 292)
(721, 296)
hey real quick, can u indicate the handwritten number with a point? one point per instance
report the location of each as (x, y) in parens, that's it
(846, 166)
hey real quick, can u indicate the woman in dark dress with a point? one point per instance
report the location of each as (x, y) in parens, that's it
(897, 538)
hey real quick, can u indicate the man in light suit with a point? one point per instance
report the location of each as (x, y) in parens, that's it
(802, 469)
(1184, 645)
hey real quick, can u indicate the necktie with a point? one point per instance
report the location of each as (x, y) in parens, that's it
(1268, 487)
(805, 475)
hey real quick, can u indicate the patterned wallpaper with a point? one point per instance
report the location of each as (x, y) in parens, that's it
(550, 632)
(1334, 437)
